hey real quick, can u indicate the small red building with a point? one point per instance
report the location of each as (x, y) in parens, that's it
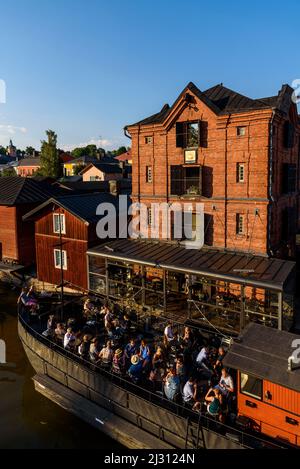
(17, 197)
(268, 381)
(28, 167)
(66, 245)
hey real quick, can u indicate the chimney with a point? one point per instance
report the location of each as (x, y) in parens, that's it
(122, 165)
(114, 187)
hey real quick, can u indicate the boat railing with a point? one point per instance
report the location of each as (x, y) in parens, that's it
(247, 440)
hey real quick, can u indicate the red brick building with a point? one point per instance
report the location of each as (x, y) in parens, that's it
(238, 156)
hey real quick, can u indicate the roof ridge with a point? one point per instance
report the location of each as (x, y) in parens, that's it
(20, 189)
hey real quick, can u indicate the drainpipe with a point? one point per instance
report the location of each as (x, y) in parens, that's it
(226, 182)
(270, 194)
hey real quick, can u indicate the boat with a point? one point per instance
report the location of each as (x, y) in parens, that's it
(132, 415)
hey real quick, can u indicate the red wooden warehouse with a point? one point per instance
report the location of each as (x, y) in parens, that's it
(17, 197)
(66, 244)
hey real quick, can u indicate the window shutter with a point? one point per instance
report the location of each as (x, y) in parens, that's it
(176, 180)
(203, 133)
(179, 134)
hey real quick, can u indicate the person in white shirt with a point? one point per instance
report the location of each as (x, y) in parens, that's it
(189, 394)
(69, 337)
(202, 360)
(226, 385)
(168, 333)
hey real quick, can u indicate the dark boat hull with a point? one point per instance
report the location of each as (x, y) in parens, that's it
(126, 417)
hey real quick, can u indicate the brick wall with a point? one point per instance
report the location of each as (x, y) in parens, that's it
(223, 197)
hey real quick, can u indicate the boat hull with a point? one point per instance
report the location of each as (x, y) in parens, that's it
(144, 424)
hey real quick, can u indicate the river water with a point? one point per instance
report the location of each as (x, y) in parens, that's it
(27, 419)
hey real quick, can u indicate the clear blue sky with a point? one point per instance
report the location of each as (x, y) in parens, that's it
(87, 68)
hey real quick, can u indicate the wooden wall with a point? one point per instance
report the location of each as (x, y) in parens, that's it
(8, 233)
(270, 414)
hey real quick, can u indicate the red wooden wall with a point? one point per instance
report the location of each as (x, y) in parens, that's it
(270, 414)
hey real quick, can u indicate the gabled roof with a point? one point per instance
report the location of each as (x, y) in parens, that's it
(15, 190)
(222, 100)
(29, 162)
(106, 168)
(263, 352)
(82, 206)
(124, 156)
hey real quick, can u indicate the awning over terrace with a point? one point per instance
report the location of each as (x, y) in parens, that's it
(256, 271)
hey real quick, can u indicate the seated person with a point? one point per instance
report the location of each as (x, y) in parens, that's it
(158, 360)
(219, 362)
(60, 333)
(189, 394)
(145, 354)
(168, 334)
(118, 364)
(51, 323)
(202, 360)
(213, 400)
(69, 336)
(84, 347)
(130, 350)
(180, 370)
(136, 368)
(172, 384)
(175, 344)
(71, 346)
(125, 324)
(106, 354)
(94, 349)
(225, 385)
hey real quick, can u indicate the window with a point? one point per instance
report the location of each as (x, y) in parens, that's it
(241, 131)
(149, 216)
(94, 178)
(148, 140)
(240, 172)
(148, 173)
(59, 225)
(289, 172)
(251, 386)
(57, 259)
(186, 180)
(191, 134)
(288, 134)
(239, 223)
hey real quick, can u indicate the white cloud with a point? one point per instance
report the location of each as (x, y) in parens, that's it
(102, 143)
(7, 131)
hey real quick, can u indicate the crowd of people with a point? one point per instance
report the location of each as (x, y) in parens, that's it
(182, 367)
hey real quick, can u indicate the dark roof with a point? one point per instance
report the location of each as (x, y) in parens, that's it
(223, 100)
(264, 352)
(15, 190)
(106, 168)
(262, 271)
(4, 159)
(95, 186)
(87, 159)
(30, 162)
(82, 206)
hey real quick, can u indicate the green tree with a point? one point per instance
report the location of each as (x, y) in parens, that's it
(49, 158)
(78, 152)
(78, 168)
(2, 151)
(8, 172)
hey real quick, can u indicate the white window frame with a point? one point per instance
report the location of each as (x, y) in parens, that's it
(149, 174)
(149, 216)
(240, 219)
(62, 221)
(241, 172)
(241, 130)
(149, 140)
(57, 265)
